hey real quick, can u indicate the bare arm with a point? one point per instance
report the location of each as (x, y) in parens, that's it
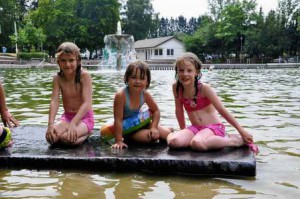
(6, 117)
(153, 108)
(212, 96)
(54, 104)
(87, 90)
(179, 111)
(119, 102)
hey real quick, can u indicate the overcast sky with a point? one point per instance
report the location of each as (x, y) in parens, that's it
(194, 8)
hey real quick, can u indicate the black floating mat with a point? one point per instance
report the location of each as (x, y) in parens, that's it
(31, 151)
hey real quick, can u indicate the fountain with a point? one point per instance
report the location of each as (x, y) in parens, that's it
(119, 50)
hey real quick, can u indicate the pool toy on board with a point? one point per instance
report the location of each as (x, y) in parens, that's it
(5, 138)
(130, 124)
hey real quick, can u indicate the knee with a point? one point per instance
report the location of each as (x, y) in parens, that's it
(198, 145)
(173, 141)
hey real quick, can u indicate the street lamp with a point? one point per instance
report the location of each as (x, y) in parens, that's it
(0, 23)
(16, 34)
(241, 38)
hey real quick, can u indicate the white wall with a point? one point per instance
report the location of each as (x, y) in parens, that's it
(171, 44)
(174, 44)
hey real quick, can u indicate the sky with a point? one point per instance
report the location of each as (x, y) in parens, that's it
(194, 8)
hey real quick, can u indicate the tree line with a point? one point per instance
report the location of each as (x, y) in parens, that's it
(230, 27)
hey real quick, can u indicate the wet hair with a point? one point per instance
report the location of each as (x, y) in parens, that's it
(70, 48)
(191, 57)
(134, 67)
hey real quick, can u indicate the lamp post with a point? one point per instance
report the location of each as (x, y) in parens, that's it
(16, 34)
(0, 23)
(241, 38)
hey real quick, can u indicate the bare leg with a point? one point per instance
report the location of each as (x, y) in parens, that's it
(82, 135)
(59, 128)
(206, 140)
(164, 132)
(180, 139)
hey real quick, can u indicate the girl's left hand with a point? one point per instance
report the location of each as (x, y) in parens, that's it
(247, 137)
(72, 133)
(154, 133)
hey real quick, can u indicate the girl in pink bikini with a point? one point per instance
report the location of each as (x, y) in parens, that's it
(75, 86)
(202, 106)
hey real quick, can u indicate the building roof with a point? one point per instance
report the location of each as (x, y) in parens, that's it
(151, 43)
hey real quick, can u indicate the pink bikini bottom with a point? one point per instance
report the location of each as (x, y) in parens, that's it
(218, 129)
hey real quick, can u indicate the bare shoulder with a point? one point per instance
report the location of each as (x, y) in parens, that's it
(147, 95)
(56, 77)
(174, 85)
(206, 89)
(120, 94)
(85, 74)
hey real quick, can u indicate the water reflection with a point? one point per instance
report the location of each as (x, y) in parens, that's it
(266, 102)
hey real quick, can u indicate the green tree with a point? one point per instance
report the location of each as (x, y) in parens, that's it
(83, 22)
(137, 19)
(9, 15)
(30, 37)
(289, 11)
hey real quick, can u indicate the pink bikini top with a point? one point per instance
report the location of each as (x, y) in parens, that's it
(195, 104)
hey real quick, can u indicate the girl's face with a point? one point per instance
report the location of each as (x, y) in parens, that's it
(136, 81)
(67, 63)
(187, 73)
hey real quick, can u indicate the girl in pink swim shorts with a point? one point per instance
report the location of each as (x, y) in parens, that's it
(74, 85)
(202, 106)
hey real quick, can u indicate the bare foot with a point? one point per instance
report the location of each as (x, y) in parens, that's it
(236, 140)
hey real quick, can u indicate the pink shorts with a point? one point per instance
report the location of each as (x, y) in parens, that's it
(218, 129)
(88, 119)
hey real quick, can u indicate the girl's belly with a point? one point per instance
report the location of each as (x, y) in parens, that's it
(201, 117)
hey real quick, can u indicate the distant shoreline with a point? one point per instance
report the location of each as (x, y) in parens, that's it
(171, 67)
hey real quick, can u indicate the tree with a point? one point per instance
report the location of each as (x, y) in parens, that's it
(9, 15)
(30, 37)
(83, 22)
(137, 18)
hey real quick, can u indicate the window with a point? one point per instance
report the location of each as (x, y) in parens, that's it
(170, 51)
(158, 52)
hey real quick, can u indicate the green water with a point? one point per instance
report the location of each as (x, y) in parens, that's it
(266, 102)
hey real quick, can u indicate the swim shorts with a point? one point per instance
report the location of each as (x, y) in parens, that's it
(218, 129)
(88, 119)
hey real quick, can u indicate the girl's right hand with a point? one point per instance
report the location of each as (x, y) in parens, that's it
(119, 145)
(50, 134)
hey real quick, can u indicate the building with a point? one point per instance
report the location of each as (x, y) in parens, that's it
(159, 49)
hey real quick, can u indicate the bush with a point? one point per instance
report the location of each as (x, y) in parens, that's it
(29, 56)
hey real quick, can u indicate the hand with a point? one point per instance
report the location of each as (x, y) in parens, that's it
(247, 137)
(119, 145)
(154, 134)
(50, 134)
(72, 133)
(9, 120)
